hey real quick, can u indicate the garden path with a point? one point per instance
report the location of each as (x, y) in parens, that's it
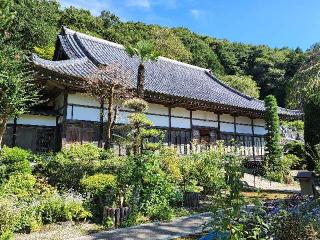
(170, 230)
(264, 184)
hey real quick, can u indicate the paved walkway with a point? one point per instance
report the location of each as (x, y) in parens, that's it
(178, 228)
(264, 184)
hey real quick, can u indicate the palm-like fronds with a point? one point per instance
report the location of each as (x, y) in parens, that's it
(144, 50)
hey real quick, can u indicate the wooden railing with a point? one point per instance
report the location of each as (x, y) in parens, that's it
(255, 153)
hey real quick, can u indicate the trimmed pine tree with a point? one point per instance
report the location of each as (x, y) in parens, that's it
(273, 146)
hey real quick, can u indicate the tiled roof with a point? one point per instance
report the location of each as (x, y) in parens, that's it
(164, 76)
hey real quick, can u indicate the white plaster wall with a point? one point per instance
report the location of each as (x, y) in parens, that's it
(226, 118)
(202, 123)
(204, 115)
(82, 99)
(180, 122)
(180, 112)
(122, 117)
(157, 109)
(243, 120)
(244, 129)
(260, 130)
(259, 122)
(37, 120)
(227, 127)
(159, 121)
(83, 113)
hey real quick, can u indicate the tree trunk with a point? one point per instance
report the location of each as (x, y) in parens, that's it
(140, 83)
(3, 125)
(101, 124)
(107, 144)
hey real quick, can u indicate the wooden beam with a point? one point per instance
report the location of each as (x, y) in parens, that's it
(191, 126)
(235, 127)
(253, 142)
(14, 132)
(169, 128)
(219, 127)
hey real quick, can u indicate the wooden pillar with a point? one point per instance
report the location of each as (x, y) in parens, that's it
(252, 139)
(169, 129)
(235, 127)
(14, 132)
(64, 119)
(191, 125)
(219, 127)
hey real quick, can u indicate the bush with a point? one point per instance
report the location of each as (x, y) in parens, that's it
(14, 160)
(68, 167)
(204, 170)
(292, 226)
(295, 147)
(102, 191)
(33, 202)
(154, 193)
(8, 218)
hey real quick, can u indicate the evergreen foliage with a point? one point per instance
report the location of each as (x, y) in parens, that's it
(311, 129)
(273, 147)
(35, 23)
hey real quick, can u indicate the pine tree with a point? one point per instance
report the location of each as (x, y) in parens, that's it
(273, 147)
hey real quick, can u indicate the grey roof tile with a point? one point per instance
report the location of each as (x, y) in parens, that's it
(164, 76)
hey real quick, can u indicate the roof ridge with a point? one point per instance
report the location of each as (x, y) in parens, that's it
(208, 72)
(72, 32)
(117, 45)
(182, 63)
(38, 60)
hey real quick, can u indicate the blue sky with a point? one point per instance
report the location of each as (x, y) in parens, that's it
(277, 23)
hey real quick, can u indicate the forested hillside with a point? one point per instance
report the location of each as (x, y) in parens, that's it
(255, 70)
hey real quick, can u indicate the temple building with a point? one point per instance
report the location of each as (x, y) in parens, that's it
(187, 101)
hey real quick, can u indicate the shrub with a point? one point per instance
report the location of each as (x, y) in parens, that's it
(295, 147)
(14, 160)
(8, 218)
(292, 226)
(154, 193)
(102, 190)
(68, 167)
(33, 203)
(204, 170)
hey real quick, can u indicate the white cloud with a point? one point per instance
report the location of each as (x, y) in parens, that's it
(196, 13)
(138, 3)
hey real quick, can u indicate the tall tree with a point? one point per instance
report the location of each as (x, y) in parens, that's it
(304, 93)
(6, 16)
(18, 90)
(273, 147)
(244, 84)
(145, 51)
(109, 86)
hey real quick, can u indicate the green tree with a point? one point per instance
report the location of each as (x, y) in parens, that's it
(18, 90)
(35, 23)
(108, 86)
(145, 51)
(139, 127)
(304, 93)
(82, 20)
(109, 19)
(244, 84)
(273, 147)
(6, 16)
(169, 45)
(202, 54)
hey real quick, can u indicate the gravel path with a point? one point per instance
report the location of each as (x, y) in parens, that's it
(264, 184)
(178, 228)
